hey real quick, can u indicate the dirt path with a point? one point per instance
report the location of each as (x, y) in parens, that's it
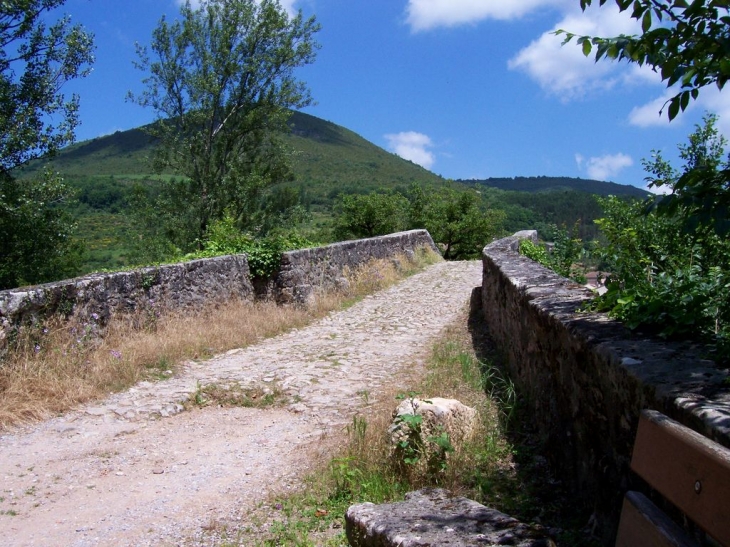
(138, 470)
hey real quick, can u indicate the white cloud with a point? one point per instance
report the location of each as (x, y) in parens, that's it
(563, 70)
(653, 113)
(429, 14)
(658, 190)
(604, 167)
(412, 146)
(710, 99)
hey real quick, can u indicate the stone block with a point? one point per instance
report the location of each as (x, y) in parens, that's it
(438, 415)
(433, 517)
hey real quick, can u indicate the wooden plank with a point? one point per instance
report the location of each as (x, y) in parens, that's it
(689, 470)
(643, 524)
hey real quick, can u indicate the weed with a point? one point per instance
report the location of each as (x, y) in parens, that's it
(365, 394)
(501, 389)
(235, 395)
(160, 370)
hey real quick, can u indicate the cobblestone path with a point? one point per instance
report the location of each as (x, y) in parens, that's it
(136, 469)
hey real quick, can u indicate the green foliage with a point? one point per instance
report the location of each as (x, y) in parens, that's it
(535, 251)
(457, 219)
(687, 44)
(222, 82)
(263, 254)
(663, 277)
(36, 60)
(411, 448)
(663, 280)
(414, 447)
(370, 215)
(700, 193)
(543, 185)
(36, 243)
(564, 255)
(460, 222)
(544, 210)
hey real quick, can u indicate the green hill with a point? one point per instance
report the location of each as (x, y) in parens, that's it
(547, 184)
(327, 160)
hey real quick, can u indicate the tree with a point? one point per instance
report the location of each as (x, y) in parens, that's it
(222, 84)
(35, 62)
(663, 277)
(687, 44)
(371, 215)
(460, 224)
(700, 193)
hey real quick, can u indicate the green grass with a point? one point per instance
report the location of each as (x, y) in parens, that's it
(236, 395)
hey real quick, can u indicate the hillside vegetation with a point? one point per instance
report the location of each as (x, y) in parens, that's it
(328, 162)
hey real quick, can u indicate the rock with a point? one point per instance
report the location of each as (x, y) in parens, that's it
(435, 517)
(438, 416)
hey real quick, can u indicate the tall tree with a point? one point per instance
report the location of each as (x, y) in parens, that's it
(221, 80)
(687, 43)
(36, 60)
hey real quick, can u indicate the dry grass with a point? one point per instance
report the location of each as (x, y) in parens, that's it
(59, 365)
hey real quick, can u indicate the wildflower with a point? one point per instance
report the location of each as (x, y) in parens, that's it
(116, 354)
(37, 348)
(95, 316)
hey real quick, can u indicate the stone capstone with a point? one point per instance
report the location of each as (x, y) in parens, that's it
(433, 517)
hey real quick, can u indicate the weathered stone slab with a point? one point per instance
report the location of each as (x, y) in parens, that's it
(432, 517)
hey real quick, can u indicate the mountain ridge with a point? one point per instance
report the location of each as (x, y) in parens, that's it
(327, 159)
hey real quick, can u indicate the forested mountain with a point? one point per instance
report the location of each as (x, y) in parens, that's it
(542, 184)
(327, 161)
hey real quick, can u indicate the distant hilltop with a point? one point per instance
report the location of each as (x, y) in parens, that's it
(545, 184)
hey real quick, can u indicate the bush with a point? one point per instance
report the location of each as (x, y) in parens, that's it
(263, 254)
(567, 250)
(665, 278)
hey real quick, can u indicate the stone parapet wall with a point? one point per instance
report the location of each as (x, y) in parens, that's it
(585, 378)
(187, 285)
(304, 271)
(197, 283)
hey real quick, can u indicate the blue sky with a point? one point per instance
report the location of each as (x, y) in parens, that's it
(466, 88)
